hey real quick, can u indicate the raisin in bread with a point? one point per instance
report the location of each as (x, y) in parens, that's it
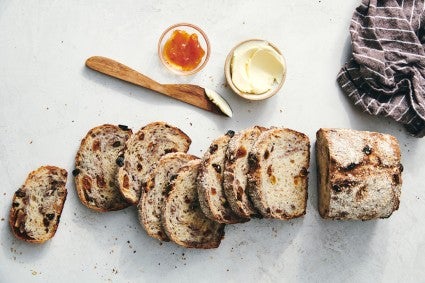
(96, 168)
(277, 178)
(210, 183)
(359, 174)
(142, 152)
(236, 170)
(182, 218)
(157, 186)
(37, 205)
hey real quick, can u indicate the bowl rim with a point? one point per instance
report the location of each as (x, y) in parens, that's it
(250, 96)
(169, 66)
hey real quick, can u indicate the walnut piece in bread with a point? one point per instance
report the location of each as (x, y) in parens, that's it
(152, 200)
(182, 218)
(37, 205)
(278, 169)
(142, 152)
(359, 174)
(96, 168)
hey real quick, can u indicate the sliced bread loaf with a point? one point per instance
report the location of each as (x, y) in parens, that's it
(236, 170)
(210, 183)
(359, 174)
(157, 186)
(143, 151)
(277, 178)
(37, 205)
(182, 217)
(96, 168)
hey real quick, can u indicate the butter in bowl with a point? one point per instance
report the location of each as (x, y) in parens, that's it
(255, 69)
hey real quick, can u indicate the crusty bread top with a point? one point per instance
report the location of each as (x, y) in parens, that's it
(37, 205)
(236, 169)
(143, 151)
(182, 217)
(152, 200)
(349, 147)
(210, 183)
(360, 174)
(277, 178)
(96, 168)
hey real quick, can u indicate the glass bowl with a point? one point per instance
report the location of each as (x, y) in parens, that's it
(250, 96)
(190, 29)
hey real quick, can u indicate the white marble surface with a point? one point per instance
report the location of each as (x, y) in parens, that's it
(49, 100)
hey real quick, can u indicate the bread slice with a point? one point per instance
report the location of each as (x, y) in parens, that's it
(96, 168)
(210, 183)
(359, 174)
(182, 217)
(37, 205)
(143, 151)
(236, 170)
(152, 200)
(277, 178)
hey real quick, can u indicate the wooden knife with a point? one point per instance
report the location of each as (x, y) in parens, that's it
(191, 94)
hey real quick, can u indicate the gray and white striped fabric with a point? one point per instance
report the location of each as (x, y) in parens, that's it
(386, 74)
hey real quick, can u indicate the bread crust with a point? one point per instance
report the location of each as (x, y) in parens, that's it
(142, 152)
(359, 174)
(182, 218)
(210, 183)
(37, 206)
(236, 169)
(278, 173)
(157, 187)
(96, 168)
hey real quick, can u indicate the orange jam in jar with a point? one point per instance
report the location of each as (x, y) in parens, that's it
(183, 50)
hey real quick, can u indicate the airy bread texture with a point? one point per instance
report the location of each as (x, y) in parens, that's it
(236, 169)
(359, 174)
(158, 185)
(142, 152)
(210, 183)
(37, 205)
(182, 217)
(96, 168)
(277, 178)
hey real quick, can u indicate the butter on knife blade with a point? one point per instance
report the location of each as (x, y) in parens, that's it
(219, 101)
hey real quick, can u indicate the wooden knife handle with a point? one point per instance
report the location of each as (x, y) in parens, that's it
(120, 71)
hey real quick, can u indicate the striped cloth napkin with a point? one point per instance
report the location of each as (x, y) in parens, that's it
(386, 74)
